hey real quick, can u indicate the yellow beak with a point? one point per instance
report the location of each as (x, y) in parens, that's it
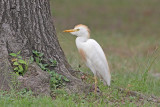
(71, 30)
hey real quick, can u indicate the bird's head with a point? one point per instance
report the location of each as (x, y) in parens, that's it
(80, 31)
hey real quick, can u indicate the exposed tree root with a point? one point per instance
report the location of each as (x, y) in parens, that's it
(140, 95)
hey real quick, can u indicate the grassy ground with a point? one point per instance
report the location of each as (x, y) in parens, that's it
(128, 31)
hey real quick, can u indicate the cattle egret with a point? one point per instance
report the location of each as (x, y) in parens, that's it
(92, 54)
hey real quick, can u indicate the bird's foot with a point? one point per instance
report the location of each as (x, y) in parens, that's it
(95, 90)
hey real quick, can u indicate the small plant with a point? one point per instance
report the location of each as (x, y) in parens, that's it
(20, 66)
(53, 62)
(56, 80)
(38, 56)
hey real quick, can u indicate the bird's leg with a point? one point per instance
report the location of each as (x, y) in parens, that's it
(95, 89)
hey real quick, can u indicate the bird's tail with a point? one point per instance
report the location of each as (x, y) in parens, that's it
(107, 78)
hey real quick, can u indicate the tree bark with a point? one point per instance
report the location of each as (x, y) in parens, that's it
(27, 25)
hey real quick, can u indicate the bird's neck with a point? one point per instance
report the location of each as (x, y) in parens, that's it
(82, 39)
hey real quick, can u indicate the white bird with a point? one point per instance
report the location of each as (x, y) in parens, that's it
(91, 53)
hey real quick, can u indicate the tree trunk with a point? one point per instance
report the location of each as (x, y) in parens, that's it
(27, 25)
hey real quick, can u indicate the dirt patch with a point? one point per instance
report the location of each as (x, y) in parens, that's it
(36, 80)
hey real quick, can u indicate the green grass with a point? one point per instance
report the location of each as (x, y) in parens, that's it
(128, 32)
(111, 97)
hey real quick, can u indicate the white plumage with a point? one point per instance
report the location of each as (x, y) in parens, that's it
(91, 53)
(95, 58)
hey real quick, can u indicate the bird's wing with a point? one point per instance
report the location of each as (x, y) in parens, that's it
(96, 60)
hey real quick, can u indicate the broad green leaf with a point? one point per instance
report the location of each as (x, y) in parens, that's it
(51, 60)
(14, 59)
(20, 68)
(17, 73)
(16, 68)
(31, 59)
(15, 63)
(13, 54)
(59, 78)
(52, 65)
(41, 54)
(66, 79)
(19, 57)
(42, 66)
(18, 52)
(21, 61)
(33, 51)
(37, 60)
(45, 65)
